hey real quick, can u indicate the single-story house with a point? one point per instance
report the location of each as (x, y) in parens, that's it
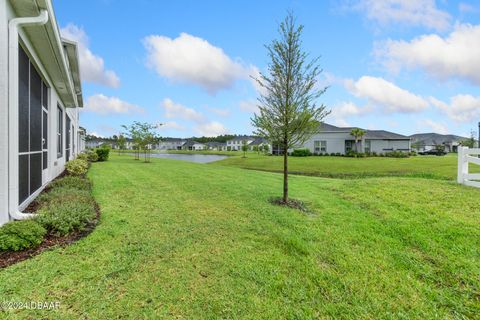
(258, 142)
(170, 144)
(332, 139)
(40, 95)
(193, 145)
(429, 141)
(214, 145)
(237, 142)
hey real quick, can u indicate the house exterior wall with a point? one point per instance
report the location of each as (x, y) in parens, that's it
(55, 165)
(382, 146)
(336, 143)
(4, 217)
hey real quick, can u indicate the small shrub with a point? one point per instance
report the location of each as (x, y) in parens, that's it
(397, 154)
(77, 167)
(413, 153)
(72, 182)
(102, 153)
(374, 154)
(20, 235)
(64, 194)
(92, 156)
(83, 156)
(64, 217)
(301, 153)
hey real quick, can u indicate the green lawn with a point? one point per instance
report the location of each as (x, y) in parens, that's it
(184, 240)
(343, 167)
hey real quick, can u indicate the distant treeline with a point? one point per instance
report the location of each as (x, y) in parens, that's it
(221, 138)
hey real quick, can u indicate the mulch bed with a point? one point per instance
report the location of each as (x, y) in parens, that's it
(291, 203)
(50, 241)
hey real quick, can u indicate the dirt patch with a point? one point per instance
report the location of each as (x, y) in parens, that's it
(291, 203)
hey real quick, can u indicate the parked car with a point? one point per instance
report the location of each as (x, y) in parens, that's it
(433, 152)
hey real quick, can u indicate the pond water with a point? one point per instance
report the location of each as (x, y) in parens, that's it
(198, 158)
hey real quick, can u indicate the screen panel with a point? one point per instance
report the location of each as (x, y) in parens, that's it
(24, 189)
(23, 101)
(45, 130)
(35, 110)
(35, 172)
(44, 96)
(45, 160)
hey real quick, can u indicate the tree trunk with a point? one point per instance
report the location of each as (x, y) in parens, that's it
(285, 175)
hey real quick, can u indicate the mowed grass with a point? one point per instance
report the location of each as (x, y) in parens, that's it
(433, 167)
(184, 240)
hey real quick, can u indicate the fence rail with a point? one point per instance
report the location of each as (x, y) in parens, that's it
(465, 157)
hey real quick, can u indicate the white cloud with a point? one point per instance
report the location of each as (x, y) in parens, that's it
(384, 94)
(345, 110)
(102, 104)
(407, 12)
(176, 110)
(193, 60)
(250, 106)
(430, 125)
(202, 125)
(211, 129)
(171, 125)
(219, 111)
(462, 108)
(92, 67)
(452, 57)
(467, 8)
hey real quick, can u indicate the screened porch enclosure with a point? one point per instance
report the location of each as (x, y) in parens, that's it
(33, 127)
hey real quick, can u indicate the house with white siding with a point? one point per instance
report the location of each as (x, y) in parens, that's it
(171, 144)
(332, 139)
(194, 145)
(40, 95)
(236, 143)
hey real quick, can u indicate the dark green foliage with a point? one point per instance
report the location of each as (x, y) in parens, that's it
(92, 156)
(72, 182)
(102, 153)
(67, 207)
(20, 235)
(301, 153)
(397, 154)
(61, 217)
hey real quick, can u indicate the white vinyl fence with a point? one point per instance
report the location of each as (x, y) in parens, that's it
(466, 156)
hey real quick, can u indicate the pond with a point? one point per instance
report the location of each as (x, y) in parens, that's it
(198, 158)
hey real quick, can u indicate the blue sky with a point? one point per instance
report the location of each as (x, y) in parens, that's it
(403, 66)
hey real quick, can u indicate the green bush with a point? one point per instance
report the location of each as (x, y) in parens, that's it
(397, 154)
(102, 153)
(64, 194)
(83, 156)
(20, 235)
(63, 217)
(77, 167)
(92, 156)
(72, 182)
(301, 153)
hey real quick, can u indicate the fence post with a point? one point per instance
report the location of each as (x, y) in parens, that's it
(461, 164)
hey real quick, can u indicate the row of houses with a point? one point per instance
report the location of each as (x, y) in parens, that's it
(40, 97)
(330, 139)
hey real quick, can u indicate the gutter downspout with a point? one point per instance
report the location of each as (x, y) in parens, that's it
(13, 44)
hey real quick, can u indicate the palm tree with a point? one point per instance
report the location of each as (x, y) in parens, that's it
(358, 134)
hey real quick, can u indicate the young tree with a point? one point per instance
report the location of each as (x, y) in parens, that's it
(470, 142)
(143, 136)
(288, 113)
(244, 148)
(265, 148)
(357, 134)
(121, 143)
